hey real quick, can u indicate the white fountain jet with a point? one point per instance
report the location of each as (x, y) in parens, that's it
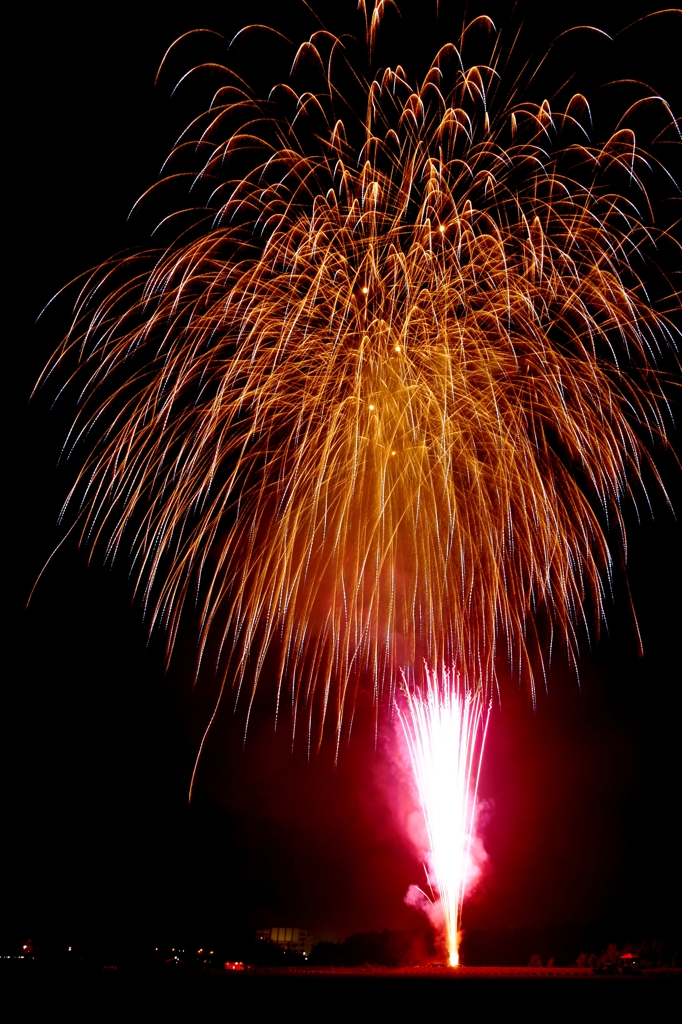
(445, 725)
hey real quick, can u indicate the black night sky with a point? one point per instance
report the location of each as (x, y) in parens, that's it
(581, 795)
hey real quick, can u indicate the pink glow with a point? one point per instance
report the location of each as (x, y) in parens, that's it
(445, 725)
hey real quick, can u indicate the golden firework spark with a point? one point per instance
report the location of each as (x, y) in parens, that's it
(382, 406)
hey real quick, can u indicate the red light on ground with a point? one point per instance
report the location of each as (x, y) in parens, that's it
(234, 965)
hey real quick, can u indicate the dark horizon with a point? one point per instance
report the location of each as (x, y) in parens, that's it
(580, 794)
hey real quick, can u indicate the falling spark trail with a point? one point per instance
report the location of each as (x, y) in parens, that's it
(384, 394)
(445, 725)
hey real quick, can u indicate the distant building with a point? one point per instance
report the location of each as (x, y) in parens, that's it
(294, 940)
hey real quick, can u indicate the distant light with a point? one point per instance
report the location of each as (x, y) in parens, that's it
(371, 406)
(442, 227)
(397, 348)
(365, 289)
(392, 453)
(234, 965)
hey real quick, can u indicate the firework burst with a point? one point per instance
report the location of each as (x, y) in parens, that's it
(379, 404)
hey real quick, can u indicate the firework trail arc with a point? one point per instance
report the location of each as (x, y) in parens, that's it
(375, 406)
